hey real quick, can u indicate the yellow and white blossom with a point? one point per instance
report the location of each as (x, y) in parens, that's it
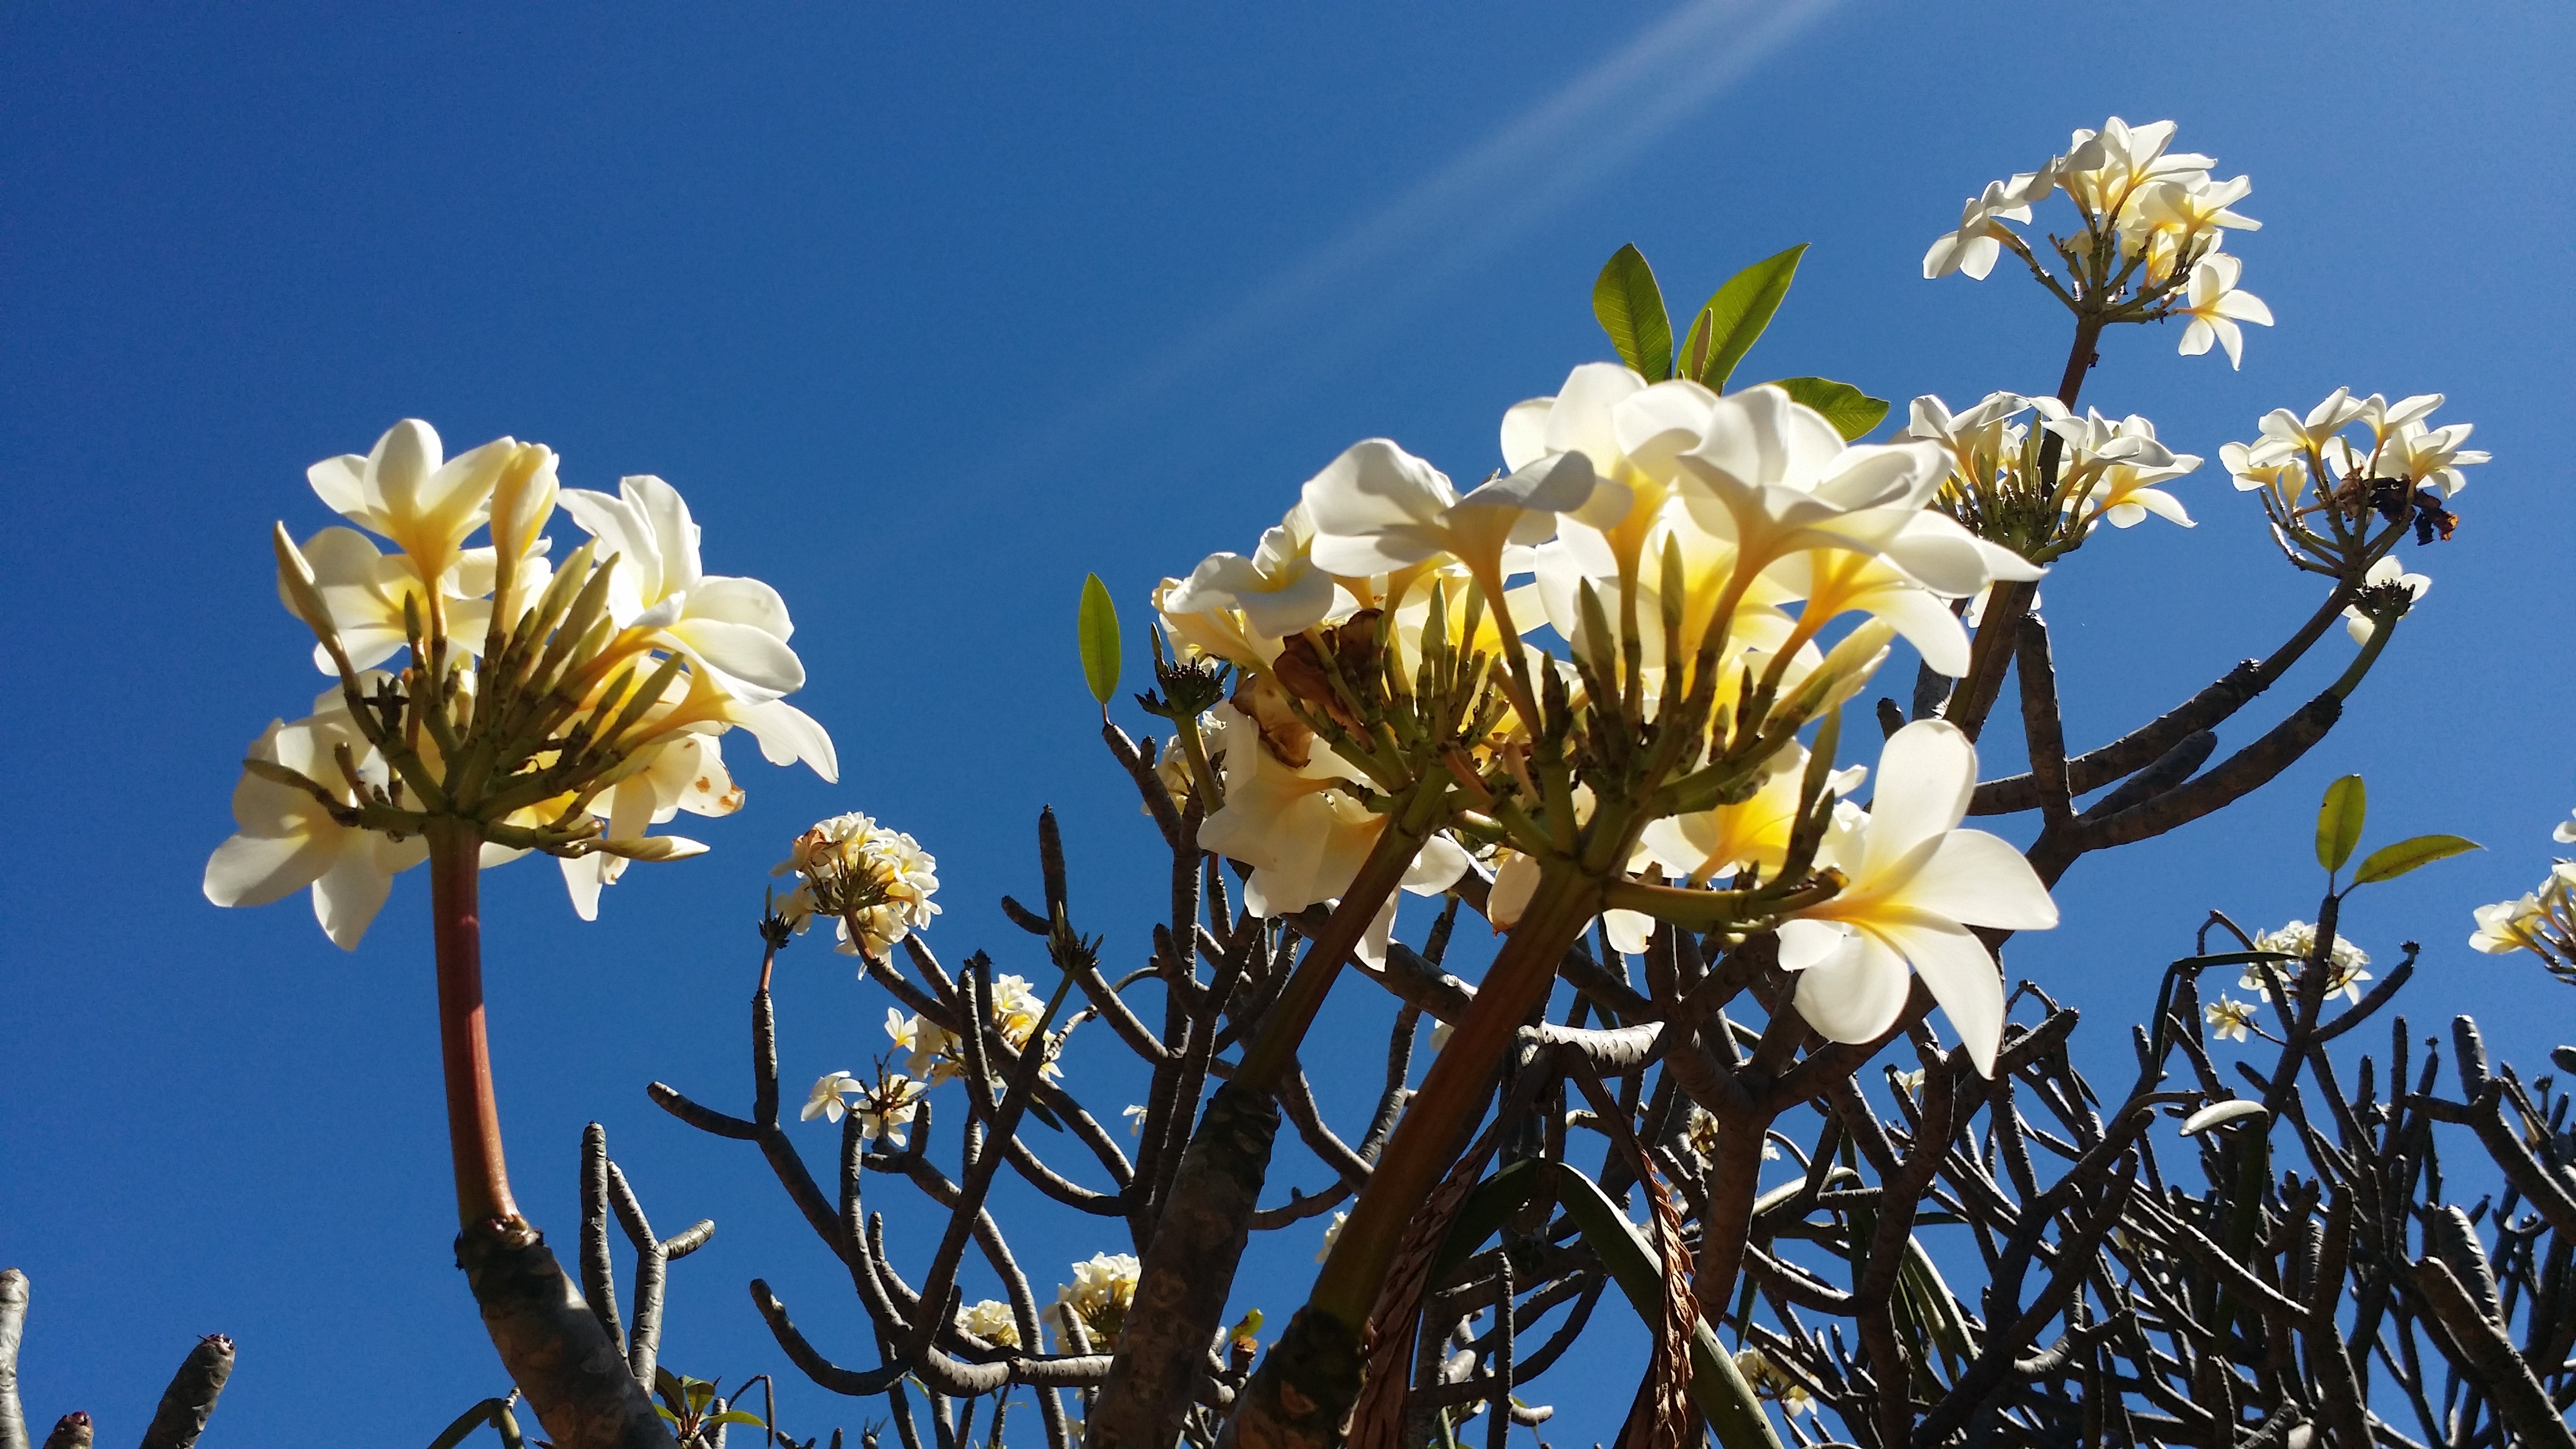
(733, 629)
(1102, 1291)
(288, 839)
(1279, 590)
(1915, 883)
(2229, 1019)
(992, 1321)
(857, 872)
(2216, 308)
(2387, 573)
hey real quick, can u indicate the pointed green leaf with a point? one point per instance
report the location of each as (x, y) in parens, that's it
(1735, 316)
(1719, 1391)
(2339, 822)
(1852, 412)
(739, 1416)
(2389, 862)
(1631, 309)
(1097, 626)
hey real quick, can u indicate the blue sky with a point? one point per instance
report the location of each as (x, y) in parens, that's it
(931, 312)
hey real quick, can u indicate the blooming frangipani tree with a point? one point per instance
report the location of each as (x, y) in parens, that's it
(1598, 702)
(529, 708)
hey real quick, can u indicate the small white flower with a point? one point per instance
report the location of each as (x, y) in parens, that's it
(1332, 1235)
(2383, 573)
(991, 1321)
(2229, 1019)
(825, 1100)
(1135, 1115)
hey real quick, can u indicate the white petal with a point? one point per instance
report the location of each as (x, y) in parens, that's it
(1437, 867)
(252, 870)
(1980, 880)
(1854, 993)
(756, 664)
(1925, 774)
(788, 734)
(1963, 978)
(348, 895)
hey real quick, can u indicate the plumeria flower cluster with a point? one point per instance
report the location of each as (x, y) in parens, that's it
(537, 707)
(1618, 636)
(937, 1054)
(2323, 478)
(1102, 1291)
(1766, 1378)
(2148, 248)
(2042, 502)
(991, 1321)
(2542, 920)
(875, 884)
(884, 1107)
(2298, 940)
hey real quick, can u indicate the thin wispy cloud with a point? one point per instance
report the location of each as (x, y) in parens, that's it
(1571, 142)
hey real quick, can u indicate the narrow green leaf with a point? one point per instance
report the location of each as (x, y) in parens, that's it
(1097, 626)
(2339, 822)
(1735, 316)
(738, 1416)
(2389, 862)
(1852, 412)
(1631, 309)
(1722, 1395)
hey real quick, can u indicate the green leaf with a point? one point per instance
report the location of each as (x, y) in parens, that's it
(2389, 862)
(1852, 412)
(1631, 309)
(1483, 1214)
(2339, 822)
(1735, 315)
(1097, 626)
(739, 1416)
(1720, 1392)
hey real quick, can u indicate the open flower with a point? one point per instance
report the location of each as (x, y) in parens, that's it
(2215, 308)
(991, 1321)
(1916, 883)
(855, 871)
(686, 773)
(735, 629)
(1279, 589)
(1303, 831)
(1378, 509)
(290, 839)
(2229, 1019)
(1102, 1291)
(407, 491)
(1976, 245)
(2385, 574)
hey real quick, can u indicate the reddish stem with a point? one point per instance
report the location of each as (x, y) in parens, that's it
(473, 1113)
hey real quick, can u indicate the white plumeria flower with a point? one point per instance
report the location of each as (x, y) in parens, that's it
(1753, 832)
(1916, 883)
(2565, 834)
(1378, 508)
(1910, 1083)
(825, 1101)
(2430, 457)
(2215, 308)
(2104, 169)
(1279, 589)
(735, 629)
(1332, 1235)
(2510, 926)
(686, 773)
(406, 491)
(1135, 1115)
(2386, 571)
(886, 1109)
(846, 848)
(2110, 469)
(288, 840)
(2229, 1019)
(2310, 434)
(1102, 1291)
(1303, 837)
(991, 1321)
(1975, 246)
